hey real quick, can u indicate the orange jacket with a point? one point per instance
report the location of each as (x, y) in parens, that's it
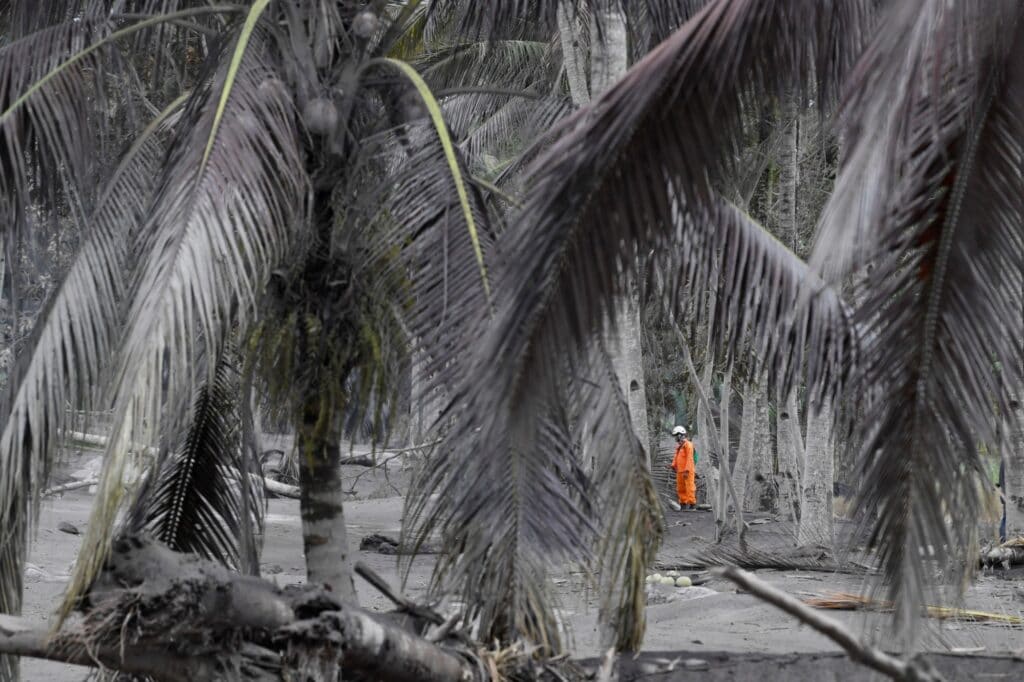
(683, 461)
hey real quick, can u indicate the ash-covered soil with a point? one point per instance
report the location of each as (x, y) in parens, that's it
(694, 623)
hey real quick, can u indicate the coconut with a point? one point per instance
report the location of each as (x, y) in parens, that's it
(365, 24)
(320, 116)
(649, 579)
(668, 581)
(683, 581)
(672, 574)
(656, 578)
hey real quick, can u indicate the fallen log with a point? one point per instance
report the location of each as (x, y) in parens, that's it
(67, 487)
(798, 559)
(21, 638)
(1010, 553)
(177, 617)
(358, 461)
(282, 489)
(385, 544)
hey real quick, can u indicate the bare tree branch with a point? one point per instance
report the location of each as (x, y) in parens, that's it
(857, 650)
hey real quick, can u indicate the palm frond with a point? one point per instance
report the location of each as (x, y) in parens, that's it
(225, 209)
(46, 115)
(491, 63)
(772, 310)
(195, 502)
(71, 344)
(622, 165)
(659, 18)
(626, 505)
(603, 195)
(497, 17)
(940, 301)
(515, 511)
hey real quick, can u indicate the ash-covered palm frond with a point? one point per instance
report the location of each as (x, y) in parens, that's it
(496, 17)
(71, 343)
(605, 193)
(201, 498)
(934, 176)
(658, 19)
(773, 311)
(46, 115)
(626, 503)
(608, 189)
(227, 205)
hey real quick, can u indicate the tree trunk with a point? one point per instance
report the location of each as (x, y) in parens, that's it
(707, 466)
(573, 53)
(1013, 463)
(324, 536)
(609, 45)
(787, 429)
(609, 60)
(627, 360)
(816, 525)
(789, 176)
(760, 490)
(787, 419)
(726, 468)
(745, 450)
(229, 626)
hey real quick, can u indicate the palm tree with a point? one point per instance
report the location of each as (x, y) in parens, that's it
(924, 220)
(296, 152)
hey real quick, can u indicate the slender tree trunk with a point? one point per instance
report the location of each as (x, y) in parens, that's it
(745, 450)
(1013, 475)
(790, 441)
(609, 60)
(760, 490)
(573, 53)
(609, 45)
(324, 536)
(1013, 460)
(816, 525)
(627, 359)
(789, 176)
(725, 398)
(787, 429)
(707, 468)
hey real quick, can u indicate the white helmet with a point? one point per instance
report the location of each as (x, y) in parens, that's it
(678, 431)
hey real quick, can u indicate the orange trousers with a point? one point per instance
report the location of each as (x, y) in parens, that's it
(686, 487)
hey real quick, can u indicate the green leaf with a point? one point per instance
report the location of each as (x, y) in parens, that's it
(434, 109)
(229, 80)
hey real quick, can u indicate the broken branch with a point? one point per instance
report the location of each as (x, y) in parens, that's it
(73, 485)
(857, 650)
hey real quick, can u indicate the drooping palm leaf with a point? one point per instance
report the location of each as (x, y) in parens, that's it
(71, 343)
(496, 17)
(227, 205)
(943, 231)
(626, 504)
(802, 330)
(44, 129)
(195, 502)
(603, 194)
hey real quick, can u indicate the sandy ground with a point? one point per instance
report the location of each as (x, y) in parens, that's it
(714, 618)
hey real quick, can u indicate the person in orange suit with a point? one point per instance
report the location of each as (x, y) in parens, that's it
(684, 466)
